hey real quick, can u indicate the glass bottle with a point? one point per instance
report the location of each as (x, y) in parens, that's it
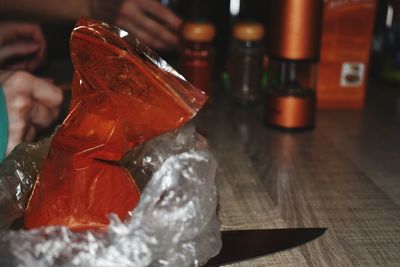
(245, 65)
(197, 55)
(290, 98)
(389, 61)
(293, 47)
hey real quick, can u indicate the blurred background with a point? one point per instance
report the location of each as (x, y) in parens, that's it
(291, 56)
(382, 60)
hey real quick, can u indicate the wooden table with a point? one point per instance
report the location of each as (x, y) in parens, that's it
(344, 175)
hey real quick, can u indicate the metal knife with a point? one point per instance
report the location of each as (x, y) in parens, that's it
(244, 245)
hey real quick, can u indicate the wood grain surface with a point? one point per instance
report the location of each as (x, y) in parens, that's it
(344, 175)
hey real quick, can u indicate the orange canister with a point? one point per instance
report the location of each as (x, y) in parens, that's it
(293, 47)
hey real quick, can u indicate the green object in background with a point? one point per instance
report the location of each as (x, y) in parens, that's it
(3, 125)
(390, 72)
(225, 81)
(264, 81)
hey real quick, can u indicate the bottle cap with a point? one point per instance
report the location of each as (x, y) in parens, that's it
(295, 29)
(248, 31)
(198, 31)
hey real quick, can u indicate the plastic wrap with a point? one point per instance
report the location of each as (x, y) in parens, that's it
(17, 175)
(122, 96)
(174, 223)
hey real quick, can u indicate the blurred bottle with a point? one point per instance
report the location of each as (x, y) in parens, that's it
(293, 47)
(197, 55)
(389, 55)
(245, 66)
(265, 77)
(291, 99)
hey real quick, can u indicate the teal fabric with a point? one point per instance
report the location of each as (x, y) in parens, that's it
(3, 125)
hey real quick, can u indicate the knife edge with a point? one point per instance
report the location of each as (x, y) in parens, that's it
(242, 245)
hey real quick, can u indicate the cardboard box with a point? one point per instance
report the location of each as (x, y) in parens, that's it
(345, 49)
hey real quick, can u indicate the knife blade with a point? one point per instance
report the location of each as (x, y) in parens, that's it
(244, 245)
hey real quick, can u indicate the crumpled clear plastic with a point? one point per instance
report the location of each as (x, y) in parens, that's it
(121, 97)
(17, 175)
(174, 223)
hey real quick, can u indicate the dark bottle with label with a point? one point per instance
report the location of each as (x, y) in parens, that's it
(245, 65)
(389, 60)
(197, 55)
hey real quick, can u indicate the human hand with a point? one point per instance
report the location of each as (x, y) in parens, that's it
(22, 46)
(32, 103)
(152, 23)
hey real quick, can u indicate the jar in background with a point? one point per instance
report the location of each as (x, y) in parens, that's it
(389, 61)
(245, 66)
(197, 55)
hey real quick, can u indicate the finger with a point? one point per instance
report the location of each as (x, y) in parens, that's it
(11, 145)
(38, 38)
(16, 132)
(33, 64)
(38, 59)
(140, 34)
(18, 108)
(41, 55)
(151, 26)
(128, 11)
(32, 32)
(54, 112)
(41, 116)
(18, 83)
(17, 51)
(21, 65)
(46, 93)
(161, 12)
(12, 31)
(48, 79)
(30, 134)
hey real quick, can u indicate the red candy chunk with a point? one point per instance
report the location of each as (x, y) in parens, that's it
(120, 99)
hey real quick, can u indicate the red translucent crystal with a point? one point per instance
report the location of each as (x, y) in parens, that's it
(121, 98)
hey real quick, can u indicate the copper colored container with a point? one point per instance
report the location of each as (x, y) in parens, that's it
(290, 112)
(293, 47)
(294, 30)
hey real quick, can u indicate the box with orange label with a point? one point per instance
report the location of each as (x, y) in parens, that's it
(345, 48)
